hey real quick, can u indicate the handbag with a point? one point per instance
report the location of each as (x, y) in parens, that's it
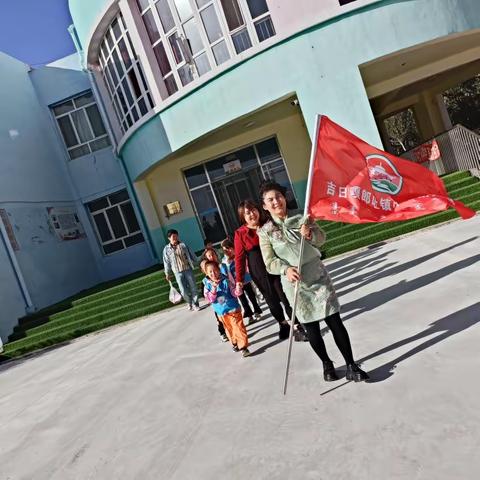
(174, 296)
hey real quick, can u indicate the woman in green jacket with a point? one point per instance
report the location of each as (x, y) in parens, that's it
(280, 246)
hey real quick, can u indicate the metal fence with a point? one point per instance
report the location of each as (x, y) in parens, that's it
(459, 150)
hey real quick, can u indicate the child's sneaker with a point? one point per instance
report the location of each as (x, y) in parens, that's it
(257, 316)
(235, 348)
(245, 352)
(250, 321)
(224, 338)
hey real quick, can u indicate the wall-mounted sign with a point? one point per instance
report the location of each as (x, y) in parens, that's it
(172, 208)
(233, 166)
(65, 223)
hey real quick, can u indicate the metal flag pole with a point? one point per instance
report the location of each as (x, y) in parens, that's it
(302, 247)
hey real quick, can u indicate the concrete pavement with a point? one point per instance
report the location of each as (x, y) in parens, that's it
(163, 398)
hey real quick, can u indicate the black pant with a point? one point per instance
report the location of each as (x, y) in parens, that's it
(340, 335)
(269, 286)
(248, 292)
(221, 328)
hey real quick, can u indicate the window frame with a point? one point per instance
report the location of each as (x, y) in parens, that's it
(119, 83)
(189, 58)
(103, 211)
(73, 125)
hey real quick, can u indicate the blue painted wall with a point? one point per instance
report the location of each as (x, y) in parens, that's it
(13, 305)
(35, 174)
(188, 231)
(92, 176)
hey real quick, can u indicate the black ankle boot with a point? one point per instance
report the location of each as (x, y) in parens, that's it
(355, 373)
(329, 373)
(284, 331)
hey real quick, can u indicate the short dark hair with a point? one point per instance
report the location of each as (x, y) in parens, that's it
(250, 205)
(227, 243)
(210, 263)
(171, 232)
(271, 185)
(209, 250)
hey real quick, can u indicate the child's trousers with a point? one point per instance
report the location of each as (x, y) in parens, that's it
(235, 329)
(221, 328)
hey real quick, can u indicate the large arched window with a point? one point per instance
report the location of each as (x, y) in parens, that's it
(192, 37)
(123, 75)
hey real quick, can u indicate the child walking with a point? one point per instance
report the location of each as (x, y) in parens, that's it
(228, 269)
(211, 255)
(220, 292)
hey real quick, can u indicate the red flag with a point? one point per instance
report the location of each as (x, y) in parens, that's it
(353, 182)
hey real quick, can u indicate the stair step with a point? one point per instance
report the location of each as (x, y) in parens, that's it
(158, 277)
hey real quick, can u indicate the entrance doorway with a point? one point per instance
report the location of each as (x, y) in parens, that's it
(219, 185)
(232, 190)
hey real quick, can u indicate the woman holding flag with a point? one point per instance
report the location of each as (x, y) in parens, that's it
(280, 240)
(248, 256)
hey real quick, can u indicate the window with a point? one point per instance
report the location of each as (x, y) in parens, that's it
(262, 20)
(81, 125)
(123, 73)
(190, 37)
(115, 222)
(236, 25)
(264, 28)
(257, 7)
(176, 40)
(273, 167)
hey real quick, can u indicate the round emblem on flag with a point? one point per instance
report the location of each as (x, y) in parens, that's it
(383, 175)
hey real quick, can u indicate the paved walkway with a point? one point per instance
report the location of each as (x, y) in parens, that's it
(163, 398)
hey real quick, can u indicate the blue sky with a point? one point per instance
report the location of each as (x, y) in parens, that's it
(35, 31)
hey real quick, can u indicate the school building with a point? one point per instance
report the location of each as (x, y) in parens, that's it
(194, 102)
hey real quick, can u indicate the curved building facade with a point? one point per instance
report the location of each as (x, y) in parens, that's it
(208, 97)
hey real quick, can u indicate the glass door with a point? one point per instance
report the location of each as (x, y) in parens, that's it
(234, 189)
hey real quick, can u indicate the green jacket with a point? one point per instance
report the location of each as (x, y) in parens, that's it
(280, 247)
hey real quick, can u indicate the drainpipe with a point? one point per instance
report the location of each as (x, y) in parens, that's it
(29, 306)
(103, 112)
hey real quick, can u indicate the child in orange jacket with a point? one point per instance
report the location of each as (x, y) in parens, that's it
(220, 292)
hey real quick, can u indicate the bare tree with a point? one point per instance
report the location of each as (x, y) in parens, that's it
(402, 131)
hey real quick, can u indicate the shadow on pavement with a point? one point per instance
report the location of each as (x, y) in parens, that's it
(258, 328)
(343, 272)
(445, 327)
(258, 340)
(383, 271)
(349, 259)
(374, 300)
